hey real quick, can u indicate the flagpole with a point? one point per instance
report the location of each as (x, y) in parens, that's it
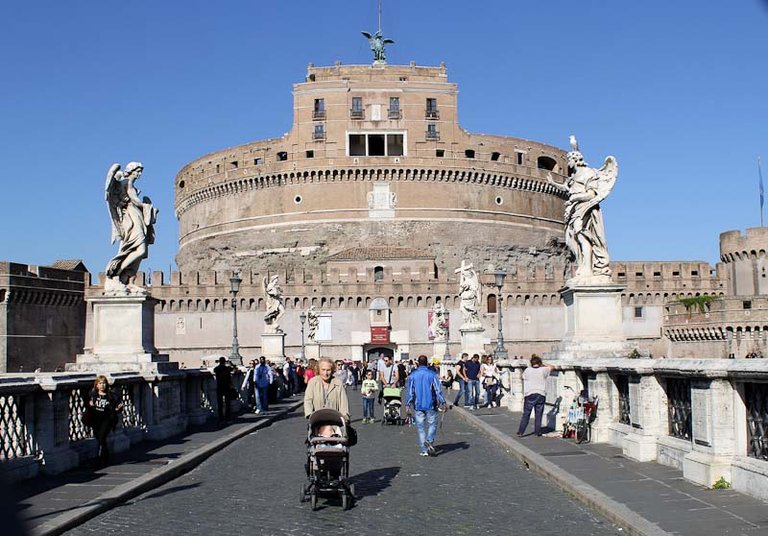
(762, 191)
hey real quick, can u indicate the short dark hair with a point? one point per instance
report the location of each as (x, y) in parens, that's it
(222, 360)
(475, 356)
(423, 360)
(535, 361)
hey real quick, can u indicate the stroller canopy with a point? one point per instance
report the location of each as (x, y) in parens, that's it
(326, 416)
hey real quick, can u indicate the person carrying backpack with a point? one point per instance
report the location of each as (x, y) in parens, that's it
(263, 378)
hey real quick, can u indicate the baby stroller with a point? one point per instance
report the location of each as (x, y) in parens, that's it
(393, 406)
(327, 459)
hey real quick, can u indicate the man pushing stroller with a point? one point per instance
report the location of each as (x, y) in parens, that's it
(423, 399)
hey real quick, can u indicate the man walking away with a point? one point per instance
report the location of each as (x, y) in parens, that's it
(423, 398)
(264, 378)
(472, 371)
(224, 389)
(249, 385)
(534, 389)
(461, 377)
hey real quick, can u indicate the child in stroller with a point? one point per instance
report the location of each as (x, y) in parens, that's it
(327, 459)
(393, 406)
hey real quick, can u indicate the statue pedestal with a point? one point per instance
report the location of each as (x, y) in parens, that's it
(123, 334)
(472, 340)
(593, 324)
(273, 346)
(438, 349)
(312, 351)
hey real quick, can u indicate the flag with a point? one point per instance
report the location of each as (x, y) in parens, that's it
(762, 190)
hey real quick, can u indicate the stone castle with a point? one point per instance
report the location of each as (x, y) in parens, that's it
(369, 203)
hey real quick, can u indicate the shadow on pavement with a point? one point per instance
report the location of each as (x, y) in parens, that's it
(450, 447)
(169, 491)
(373, 482)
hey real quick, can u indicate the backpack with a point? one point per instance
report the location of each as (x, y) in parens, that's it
(262, 376)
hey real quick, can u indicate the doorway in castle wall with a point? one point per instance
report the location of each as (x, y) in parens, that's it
(372, 352)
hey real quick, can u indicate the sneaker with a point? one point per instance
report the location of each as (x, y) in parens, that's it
(257, 411)
(430, 448)
(423, 454)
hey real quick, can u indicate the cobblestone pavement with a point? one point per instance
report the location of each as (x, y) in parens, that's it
(252, 487)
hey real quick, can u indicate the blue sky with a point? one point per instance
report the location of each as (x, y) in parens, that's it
(675, 90)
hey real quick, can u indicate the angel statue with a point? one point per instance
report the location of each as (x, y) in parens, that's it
(439, 324)
(275, 307)
(313, 321)
(133, 219)
(586, 187)
(469, 292)
(377, 43)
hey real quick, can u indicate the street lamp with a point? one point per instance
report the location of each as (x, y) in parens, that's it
(447, 355)
(234, 288)
(499, 352)
(302, 319)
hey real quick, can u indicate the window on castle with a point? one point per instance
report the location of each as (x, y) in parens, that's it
(258, 161)
(310, 154)
(545, 162)
(319, 133)
(694, 273)
(318, 112)
(439, 153)
(431, 111)
(495, 156)
(375, 144)
(491, 303)
(747, 304)
(378, 273)
(395, 144)
(638, 312)
(519, 158)
(356, 112)
(282, 156)
(357, 145)
(469, 153)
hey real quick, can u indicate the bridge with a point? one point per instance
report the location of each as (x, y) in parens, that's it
(246, 477)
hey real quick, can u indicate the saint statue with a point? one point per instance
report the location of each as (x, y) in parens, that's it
(377, 43)
(313, 321)
(469, 292)
(584, 231)
(133, 220)
(439, 323)
(275, 307)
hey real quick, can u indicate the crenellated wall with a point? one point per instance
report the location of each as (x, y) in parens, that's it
(745, 259)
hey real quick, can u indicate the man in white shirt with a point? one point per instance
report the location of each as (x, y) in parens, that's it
(535, 390)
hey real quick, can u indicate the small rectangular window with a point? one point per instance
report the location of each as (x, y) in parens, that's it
(656, 274)
(318, 112)
(432, 133)
(257, 161)
(622, 274)
(675, 274)
(357, 145)
(310, 154)
(519, 158)
(319, 133)
(357, 104)
(747, 304)
(469, 153)
(694, 273)
(282, 156)
(431, 110)
(218, 168)
(395, 144)
(638, 312)
(638, 274)
(234, 164)
(394, 107)
(439, 153)
(376, 145)
(495, 156)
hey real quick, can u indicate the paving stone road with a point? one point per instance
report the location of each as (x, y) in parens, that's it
(252, 487)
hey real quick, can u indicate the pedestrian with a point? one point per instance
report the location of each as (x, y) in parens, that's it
(368, 390)
(263, 377)
(224, 388)
(490, 374)
(402, 374)
(325, 391)
(423, 399)
(310, 372)
(355, 370)
(249, 385)
(300, 376)
(472, 372)
(461, 377)
(388, 376)
(447, 381)
(104, 406)
(534, 390)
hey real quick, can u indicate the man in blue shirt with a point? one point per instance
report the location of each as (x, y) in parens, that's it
(423, 398)
(472, 370)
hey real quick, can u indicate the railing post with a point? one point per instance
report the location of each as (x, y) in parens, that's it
(52, 428)
(647, 407)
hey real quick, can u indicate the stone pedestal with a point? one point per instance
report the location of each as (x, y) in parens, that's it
(438, 349)
(312, 351)
(123, 333)
(273, 346)
(472, 340)
(593, 325)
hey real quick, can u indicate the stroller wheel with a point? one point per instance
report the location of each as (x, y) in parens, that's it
(303, 493)
(345, 502)
(313, 500)
(352, 491)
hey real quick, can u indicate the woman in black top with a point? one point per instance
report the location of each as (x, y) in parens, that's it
(104, 407)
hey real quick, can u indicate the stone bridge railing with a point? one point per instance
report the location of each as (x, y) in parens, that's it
(41, 428)
(708, 418)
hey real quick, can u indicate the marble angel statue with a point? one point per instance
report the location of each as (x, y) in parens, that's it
(469, 292)
(313, 322)
(584, 230)
(275, 307)
(133, 220)
(439, 323)
(378, 43)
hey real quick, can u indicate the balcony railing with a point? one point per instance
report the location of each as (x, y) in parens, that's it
(318, 115)
(395, 114)
(357, 114)
(433, 135)
(318, 135)
(432, 114)
(679, 397)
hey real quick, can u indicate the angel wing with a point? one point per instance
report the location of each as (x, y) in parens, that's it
(606, 178)
(367, 35)
(264, 284)
(113, 194)
(389, 42)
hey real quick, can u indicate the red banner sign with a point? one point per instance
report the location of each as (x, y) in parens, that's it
(379, 335)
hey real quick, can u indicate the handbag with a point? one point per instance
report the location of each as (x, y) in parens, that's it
(351, 436)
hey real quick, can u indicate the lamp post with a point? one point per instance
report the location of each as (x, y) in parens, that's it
(302, 319)
(499, 352)
(234, 288)
(447, 355)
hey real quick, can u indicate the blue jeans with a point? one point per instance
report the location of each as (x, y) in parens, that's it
(474, 392)
(368, 407)
(462, 390)
(532, 402)
(262, 398)
(430, 417)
